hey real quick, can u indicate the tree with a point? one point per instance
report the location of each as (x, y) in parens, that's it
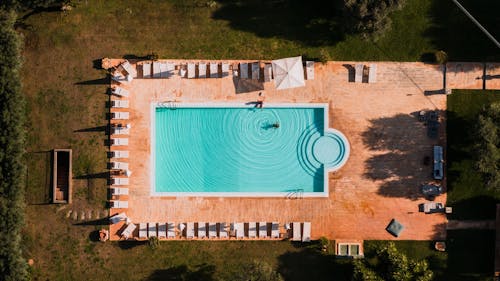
(392, 266)
(488, 145)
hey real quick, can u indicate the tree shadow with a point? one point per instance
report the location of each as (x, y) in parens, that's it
(103, 222)
(93, 129)
(479, 208)
(126, 245)
(103, 175)
(102, 81)
(203, 272)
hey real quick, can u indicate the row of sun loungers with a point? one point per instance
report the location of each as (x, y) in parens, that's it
(167, 70)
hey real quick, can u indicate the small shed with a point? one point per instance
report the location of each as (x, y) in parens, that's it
(61, 176)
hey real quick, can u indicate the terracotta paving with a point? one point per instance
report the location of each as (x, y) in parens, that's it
(380, 180)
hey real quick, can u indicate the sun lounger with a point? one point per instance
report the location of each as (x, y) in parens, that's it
(296, 231)
(119, 103)
(358, 75)
(119, 181)
(119, 191)
(252, 230)
(306, 232)
(162, 230)
(129, 69)
(225, 69)
(120, 115)
(309, 70)
(222, 230)
(170, 69)
(432, 207)
(191, 70)
(171, 230)
(202, 230)
(128, 231)
(156, 69)
(143, 230)
(268, 72)
(275, 230)
(262, 229)
(438, 162)
(182, 71)
(120, 77)
(120, 131)
(190, 230)
(163, 70)
(119, 91)
(239, 230)
(119, 141)
(244, 70)
(117, 218)
(152, 229)
(212, 230)
(119, 204)
(119, 154)
(115, 165)
(214, 70)
(202, 70)
(255, 71)
(146, 70)
(372, 73)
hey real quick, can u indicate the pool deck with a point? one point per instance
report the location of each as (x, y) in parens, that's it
(379, 182)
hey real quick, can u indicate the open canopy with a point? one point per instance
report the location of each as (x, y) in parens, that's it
(288, 73)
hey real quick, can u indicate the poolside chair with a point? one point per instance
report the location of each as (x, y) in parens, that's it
(129, 69)
(214, 70)
(255, 71)
(116, 165)
(252, 230)
(171, 230)
(306, 232)
(156, 69)
(119, 181)
(120, 115)
(119, 191)
(222, 230)
(268, 72)
(225, 69)
(163, 70)
(202, 230)
(202, 70)
(309, 70)
(438, 162)
(128, 231)
(119, 91)
(238, 229)
(119, 104)
(170, 69)
(120, 131)
(119, 141)
(152, 230)
(119, 154)
(143, 230)
(146, 70)
(119, 204)
(296, 231)
(119, 77)
(117, 218)
(191, 70)
(275, 232)
(162, 230)
(182, 71)
(190, 230)
(372, 73)
(262, 230)
(244, 70)
(212, 230)
(358, 75)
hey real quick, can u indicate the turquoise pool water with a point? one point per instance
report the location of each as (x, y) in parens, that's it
(243, 150)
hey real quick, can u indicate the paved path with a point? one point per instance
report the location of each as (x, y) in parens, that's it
(468, 224)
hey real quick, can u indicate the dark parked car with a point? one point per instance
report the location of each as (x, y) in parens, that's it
(431, 190)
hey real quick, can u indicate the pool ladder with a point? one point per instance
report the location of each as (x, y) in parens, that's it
(169, 104)
(295, 194)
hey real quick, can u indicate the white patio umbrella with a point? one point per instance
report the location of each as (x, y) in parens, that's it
(288, 73)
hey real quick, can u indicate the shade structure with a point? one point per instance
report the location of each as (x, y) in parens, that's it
(288, 73)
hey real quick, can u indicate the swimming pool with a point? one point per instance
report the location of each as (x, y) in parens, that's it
(238, 150)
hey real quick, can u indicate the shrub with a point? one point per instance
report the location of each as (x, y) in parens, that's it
(154, 243)
(441, 57)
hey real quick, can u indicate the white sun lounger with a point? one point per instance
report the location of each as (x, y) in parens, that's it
(190, 230)
(119, 191)
(202, 70)
(115, 165)
(120, 131)
(119, 103)
(358, 73)
(119, 181)
(146, 70)
(244, 70)
(202, 230)
(119, 141)
(119, 77)
(309, 70)
(171, 230)
(170, 69)
(239, 230)
(156, 69)
(128, 231)
(143, 230)
(152, 229)
(119, 91)
(119, 154)
(252, 230)
(262, 229)
(129, 69)
(255, 71)
(163, 70)
(275, 230)
(120, 115)
(225, 69)
(268, 72)
(296, 231)
(162, 230)
(212, 230)
(222, 230)
(214, 70)
(182, 71)
(117, 218)
(306, 232)
(372, 73)
(119, 204)
(191, 70)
